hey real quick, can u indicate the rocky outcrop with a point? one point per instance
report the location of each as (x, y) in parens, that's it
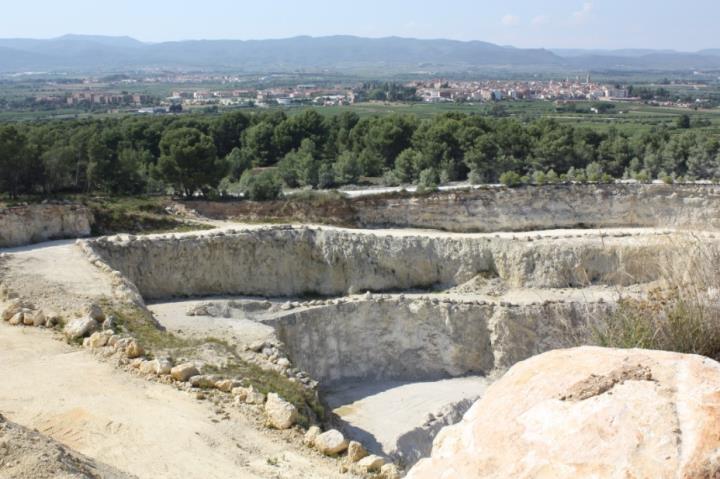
(490, 209)
(22, 225)
(589, 412)
(286, 261)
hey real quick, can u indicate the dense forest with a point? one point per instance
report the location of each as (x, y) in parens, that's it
(258, 153)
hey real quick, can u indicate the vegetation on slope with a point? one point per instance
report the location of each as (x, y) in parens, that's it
(214, 155)
(683, 315)
(139, 323)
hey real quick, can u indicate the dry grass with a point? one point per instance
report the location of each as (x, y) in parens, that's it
(682, 315)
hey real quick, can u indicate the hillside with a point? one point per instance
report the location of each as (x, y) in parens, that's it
(93, 53)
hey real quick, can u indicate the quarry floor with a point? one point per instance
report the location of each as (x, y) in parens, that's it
(145, 429)
(129, 423)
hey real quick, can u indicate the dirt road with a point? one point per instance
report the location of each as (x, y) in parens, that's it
(143, 428)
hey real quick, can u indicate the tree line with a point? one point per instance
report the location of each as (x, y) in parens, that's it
(258, 153)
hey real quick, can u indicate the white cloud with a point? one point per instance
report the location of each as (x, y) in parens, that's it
(541, 20)
(510, 20)
(582, 15)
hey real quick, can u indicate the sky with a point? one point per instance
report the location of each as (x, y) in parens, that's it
(600, 24)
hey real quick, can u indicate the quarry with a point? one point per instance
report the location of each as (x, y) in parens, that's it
(387, 324)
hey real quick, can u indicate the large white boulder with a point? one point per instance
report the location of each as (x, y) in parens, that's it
(589, 412)
(331, 442)
(280, 413)
(81, 327)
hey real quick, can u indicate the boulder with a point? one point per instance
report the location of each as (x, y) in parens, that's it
(312, 433)
(356, 451)
(147, 367)
(280, 413)
(51, 319)
(257, 346)
(240, 394)
(29, 317)
(183, 372)
(134, 350)
(12, 309)
(98, 340)
(80, 327)
(371, 463)
(588, 412)
(331, 442)
(38, 318)
(162, 366)
(109, 324)
(203, 381)
(17, 318)
(227, 385)
(94, 311)
(389, 471)
(254, 397)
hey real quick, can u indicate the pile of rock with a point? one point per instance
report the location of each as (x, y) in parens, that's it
(271, 355)
(357, 459)
(19, 312)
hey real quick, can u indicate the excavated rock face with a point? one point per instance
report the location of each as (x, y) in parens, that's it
(284, 261)
(406, 338)
(31, 224)
(589, 412)
(547, 207)
(489, 209)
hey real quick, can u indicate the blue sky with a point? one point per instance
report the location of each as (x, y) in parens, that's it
(687, 25)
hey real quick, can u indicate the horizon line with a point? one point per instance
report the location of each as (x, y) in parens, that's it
(384, 37)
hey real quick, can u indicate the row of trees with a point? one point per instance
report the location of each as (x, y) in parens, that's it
(206, 154)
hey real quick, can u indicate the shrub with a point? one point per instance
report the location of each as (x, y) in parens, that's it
(539, 177)
(262, 186)
(511, 179)
(347, 169)
(326, 176)
(594, 172)
(390, 178)
(429, 180)
(576, 175)
(665, 178)
(476, 178)
(643, 176)
(551, 177)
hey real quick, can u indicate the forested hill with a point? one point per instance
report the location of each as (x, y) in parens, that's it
(96, 53)
(257, 153)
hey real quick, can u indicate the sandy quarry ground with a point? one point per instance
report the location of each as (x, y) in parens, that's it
(56, 275)
(142, 428)
(365, 406)
(239, 329)
(29, 454)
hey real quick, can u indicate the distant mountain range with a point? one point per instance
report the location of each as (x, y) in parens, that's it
(101, 53)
